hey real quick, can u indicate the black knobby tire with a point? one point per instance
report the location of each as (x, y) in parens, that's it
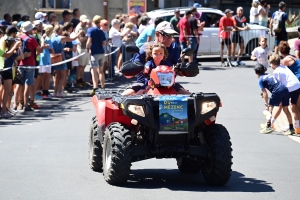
(187, 165)
(217, 169)
(95, 148)
(116, 154)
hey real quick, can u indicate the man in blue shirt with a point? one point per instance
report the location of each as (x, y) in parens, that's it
(280, 97)
(164, 34)
(96, 41)
(148, 35)
(282, 35)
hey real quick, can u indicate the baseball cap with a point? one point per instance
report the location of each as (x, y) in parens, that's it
(27, 26)
(177, 10)
(10, 39)
(11, 29)
(20, 24)
(197, 5)
(166, 27)
(188, 12)
(40, 15)
(83, 18)
(37, 22)
(228, 11)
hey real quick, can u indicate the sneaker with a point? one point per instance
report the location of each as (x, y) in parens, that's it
(37, 97)
(27, 108)
(5, 115)
(63, 94)
(289, 132)
(11, 111)
(234, 63)
(34, 105)
(266, 130)
(240, 63)
(261, 95)
(223, 64)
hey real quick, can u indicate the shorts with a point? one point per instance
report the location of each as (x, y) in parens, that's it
(84, 59)
(28, 76)
(97, 60)
(279, 38)
(7, 74)
(237, 38)
(69, 65)
(138, 86)
(281, 96)
(294, 96)
(60, 67)
(226, 41)
(45, 69)
(193, 43)
(183, 45)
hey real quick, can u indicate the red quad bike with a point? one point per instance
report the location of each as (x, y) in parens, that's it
(159, 123)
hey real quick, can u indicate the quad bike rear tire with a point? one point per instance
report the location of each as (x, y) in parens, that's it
(95, 148)
(217, 168)
(187, 165)
(116, 154)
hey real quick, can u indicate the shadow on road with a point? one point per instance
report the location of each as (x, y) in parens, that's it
(173, 179)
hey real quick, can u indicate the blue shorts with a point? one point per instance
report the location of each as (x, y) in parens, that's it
(60, 67)
(183, 45)
(294, 96)
(193, 43)
(27, 76)
(281, 96)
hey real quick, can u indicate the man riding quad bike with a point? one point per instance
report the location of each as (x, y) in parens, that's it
(159, 123)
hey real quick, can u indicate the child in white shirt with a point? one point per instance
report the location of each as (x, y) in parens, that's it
(261, 53)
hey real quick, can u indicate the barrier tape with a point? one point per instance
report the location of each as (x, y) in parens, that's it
(59, 63)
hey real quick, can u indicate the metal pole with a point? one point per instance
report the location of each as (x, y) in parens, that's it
(105, 7)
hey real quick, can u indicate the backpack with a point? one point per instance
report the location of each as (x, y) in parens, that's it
(277, 22)
(24, 48)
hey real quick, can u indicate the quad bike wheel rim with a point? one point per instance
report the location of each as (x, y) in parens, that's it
(108, 154)
(91, 145)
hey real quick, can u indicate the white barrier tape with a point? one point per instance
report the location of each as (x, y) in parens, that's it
(59, 63)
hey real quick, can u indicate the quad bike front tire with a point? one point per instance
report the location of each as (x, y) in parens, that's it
(217, 168)
(116, 154)
(95, 148)
(187, 165)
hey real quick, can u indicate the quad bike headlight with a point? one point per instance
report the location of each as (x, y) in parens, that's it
(138, 110)
(208, 106)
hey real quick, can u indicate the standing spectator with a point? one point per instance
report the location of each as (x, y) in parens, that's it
(45, 61)
(30, 45)
(52, 19)
(7, 19)
(280, 34)
(194, 38)
(225, 27)
(254, 14)
(81, 48)
(104, 28)
(239, 25)
(134, 33)
(16, 17)
(143, 24)
(263, 10)
(297, 45)
(124, 19)
(40, 16)
(174, 21)
(185, 31)
(66, 15)
(148, 34)
(115, 37)
(96, 41)
(58, 42)
(75, 20)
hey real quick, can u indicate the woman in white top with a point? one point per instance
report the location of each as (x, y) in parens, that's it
(254, 13)
(263, 10)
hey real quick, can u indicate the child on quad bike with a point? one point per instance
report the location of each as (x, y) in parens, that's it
(280, 97)
(156, 54)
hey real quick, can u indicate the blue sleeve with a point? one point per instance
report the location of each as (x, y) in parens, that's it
(273, 15)
(260, 83)
(139, 57)
(50, 44)
(284, 17)
(151, 32)
(176, 55)
(89, 32)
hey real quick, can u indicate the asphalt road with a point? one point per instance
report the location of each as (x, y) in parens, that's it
(45, 155)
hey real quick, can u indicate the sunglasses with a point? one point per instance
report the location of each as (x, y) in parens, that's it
(166, 35)
(105, 24)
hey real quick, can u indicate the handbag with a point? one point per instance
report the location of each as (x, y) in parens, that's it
(55, 58)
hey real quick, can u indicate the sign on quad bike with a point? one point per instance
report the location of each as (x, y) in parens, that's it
(159, 123)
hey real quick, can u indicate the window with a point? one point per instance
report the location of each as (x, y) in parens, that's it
(55, 4)
(211, 19)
